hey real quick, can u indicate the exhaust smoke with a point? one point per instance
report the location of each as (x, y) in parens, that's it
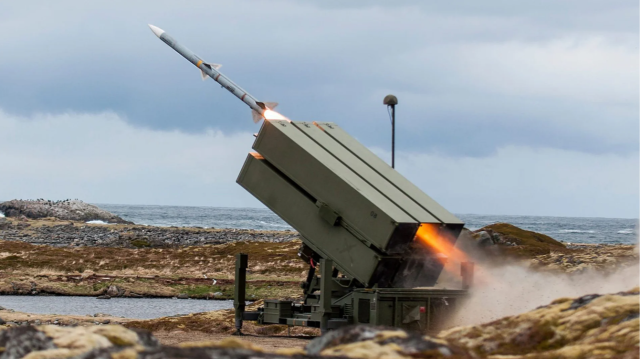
(504, 287)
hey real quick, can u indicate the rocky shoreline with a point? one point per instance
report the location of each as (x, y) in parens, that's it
(64, 233)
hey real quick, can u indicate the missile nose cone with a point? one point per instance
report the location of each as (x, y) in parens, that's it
(156, 30)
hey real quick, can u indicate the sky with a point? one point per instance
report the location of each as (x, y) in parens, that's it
(505, 107)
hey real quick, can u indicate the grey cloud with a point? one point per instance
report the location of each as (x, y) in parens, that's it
(327, 61)
(101, 158)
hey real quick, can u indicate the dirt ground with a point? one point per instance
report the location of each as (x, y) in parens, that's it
(19, 318)
(269, 343)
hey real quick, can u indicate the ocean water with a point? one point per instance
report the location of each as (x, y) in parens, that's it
(207, 217)
(567, 229)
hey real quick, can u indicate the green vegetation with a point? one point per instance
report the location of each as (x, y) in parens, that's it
(140, 243)
(197, 291)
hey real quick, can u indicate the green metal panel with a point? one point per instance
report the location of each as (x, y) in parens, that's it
(365, 172)
(386, 312)
(389, 173)
(276, 309)
(295, 207)
(364, 210)
(388, 305)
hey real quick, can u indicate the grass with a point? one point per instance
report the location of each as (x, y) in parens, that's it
(266, 260)
(198, 291)
(140, 243)
(274, 269)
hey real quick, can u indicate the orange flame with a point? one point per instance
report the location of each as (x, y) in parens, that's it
(272, 115)
(440, 242)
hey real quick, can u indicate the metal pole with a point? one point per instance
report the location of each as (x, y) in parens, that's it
(392, 101)
(393, 136)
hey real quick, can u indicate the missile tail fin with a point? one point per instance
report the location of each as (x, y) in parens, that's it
(214, 66)
(271, 105)
(204, 75)
(257, 117)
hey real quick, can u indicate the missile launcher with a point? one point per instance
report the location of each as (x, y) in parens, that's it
(357, 218)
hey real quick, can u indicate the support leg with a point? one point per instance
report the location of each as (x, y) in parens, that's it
(325, 292)
(240, 289)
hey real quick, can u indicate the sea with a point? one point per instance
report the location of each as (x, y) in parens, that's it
(565, 229)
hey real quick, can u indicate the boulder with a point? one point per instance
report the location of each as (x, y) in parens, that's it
(4, 223)
(381, 342)
(516, 242)
(485, 239)
(20, 341)
(114, 291)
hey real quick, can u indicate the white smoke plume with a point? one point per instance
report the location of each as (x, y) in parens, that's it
(501, 291)
(510, 288)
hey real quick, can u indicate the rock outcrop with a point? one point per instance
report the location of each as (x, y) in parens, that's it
(362, 341)
(72, 210)
(113, 341)
(592, 326)
(601, 258)
(507, 239)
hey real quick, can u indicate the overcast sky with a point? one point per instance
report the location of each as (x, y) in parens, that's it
(504, 107)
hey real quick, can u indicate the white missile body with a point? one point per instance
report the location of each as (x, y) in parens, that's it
(211, 70)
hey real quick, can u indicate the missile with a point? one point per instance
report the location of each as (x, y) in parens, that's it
(259, 109)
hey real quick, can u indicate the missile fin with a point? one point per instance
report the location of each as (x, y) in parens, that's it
(204, 75)
(271, 105)
(257, 117)
(215, 66)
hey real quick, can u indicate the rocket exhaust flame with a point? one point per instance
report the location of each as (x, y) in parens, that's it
(441, 242)
(273, 115)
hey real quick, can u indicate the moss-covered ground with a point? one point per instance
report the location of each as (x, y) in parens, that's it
(198, 271)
